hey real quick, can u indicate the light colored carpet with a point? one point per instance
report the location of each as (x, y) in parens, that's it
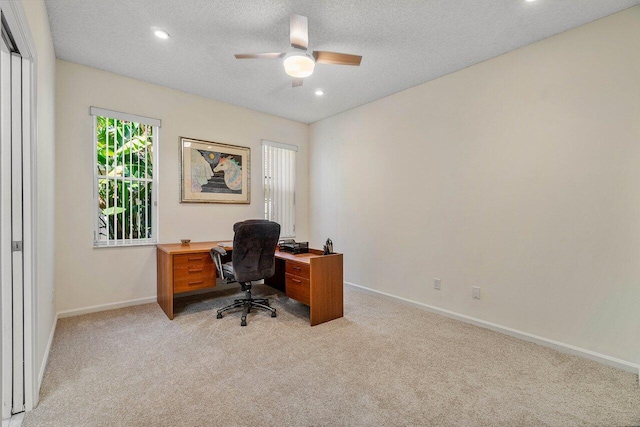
(383, 364)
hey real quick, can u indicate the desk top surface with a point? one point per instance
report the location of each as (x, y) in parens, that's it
(193, 247)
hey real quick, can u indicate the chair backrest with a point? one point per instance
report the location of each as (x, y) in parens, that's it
(254, 248)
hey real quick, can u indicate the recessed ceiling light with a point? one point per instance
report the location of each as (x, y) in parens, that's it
(161, 34)
(319, 92)
(530, 1)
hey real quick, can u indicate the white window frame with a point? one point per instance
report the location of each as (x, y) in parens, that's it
(293, 176)
(156, 123)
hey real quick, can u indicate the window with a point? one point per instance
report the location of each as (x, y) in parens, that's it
(279, 167)
(125, 185)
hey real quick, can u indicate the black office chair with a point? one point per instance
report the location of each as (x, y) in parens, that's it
(253, 258)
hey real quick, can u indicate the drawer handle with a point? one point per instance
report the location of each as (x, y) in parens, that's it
(195, 270)
(296, 268)
(296, 281)
(195, 283)
(195, 259)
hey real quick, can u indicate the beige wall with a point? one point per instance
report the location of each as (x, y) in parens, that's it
(45, 161)
(86, 276)
(520, 175)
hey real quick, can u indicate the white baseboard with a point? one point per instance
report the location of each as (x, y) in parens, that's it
(14, 421)
(105, 307)
(45, 359)
(556, 345)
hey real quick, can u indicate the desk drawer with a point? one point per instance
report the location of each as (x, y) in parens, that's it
(183, 260)
(297, 269)
(194, 272)
(298, 289)
(193, 284)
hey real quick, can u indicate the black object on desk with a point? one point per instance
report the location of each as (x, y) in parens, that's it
(294, 247)
(328, 247)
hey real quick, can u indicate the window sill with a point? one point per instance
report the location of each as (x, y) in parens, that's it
(97, 245)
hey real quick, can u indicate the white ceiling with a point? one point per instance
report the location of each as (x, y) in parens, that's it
(403, 43)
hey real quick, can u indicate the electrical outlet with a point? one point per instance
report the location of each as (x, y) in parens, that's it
(475, 292)
(436, 283)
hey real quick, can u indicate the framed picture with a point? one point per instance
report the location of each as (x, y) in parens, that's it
(214, 173)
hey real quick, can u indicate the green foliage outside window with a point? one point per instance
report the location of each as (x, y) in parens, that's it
(125, 171)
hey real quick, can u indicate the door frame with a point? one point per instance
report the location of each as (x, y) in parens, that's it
(16, 19)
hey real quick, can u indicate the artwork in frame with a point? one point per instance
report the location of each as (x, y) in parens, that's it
(213, 172)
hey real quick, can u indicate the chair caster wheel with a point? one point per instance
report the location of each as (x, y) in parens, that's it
(243, 323)
(219, 316)
(273, 314)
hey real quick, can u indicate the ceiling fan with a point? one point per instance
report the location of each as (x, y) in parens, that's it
(299, 63)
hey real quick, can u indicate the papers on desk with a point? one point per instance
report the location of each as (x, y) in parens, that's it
(225, 244)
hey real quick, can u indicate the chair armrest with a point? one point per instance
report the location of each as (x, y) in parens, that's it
(219, 250)
(216, 255)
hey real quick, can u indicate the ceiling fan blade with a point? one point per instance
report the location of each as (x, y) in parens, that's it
(324, 57)
(299, 31)
(274, 55)
(295, 82)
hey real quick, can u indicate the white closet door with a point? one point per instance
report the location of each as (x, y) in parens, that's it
(6, 291)
(17, 234)
(11, 231)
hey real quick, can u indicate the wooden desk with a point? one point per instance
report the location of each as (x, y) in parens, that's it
(312, 279)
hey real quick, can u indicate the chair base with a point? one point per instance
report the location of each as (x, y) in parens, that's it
(247, 304)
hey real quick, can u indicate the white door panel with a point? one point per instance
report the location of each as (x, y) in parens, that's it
(16, 232)
(18, 385)
(28, 228)
(6, 298)
(11, 231)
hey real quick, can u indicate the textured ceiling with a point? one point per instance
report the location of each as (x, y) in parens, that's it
(403, 43)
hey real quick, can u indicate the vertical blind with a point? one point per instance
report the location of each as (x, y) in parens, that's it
(279, 167)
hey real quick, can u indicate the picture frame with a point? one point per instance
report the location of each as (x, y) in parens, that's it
(213, 172)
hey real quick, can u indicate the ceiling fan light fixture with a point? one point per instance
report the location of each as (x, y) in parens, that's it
(299, 65)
